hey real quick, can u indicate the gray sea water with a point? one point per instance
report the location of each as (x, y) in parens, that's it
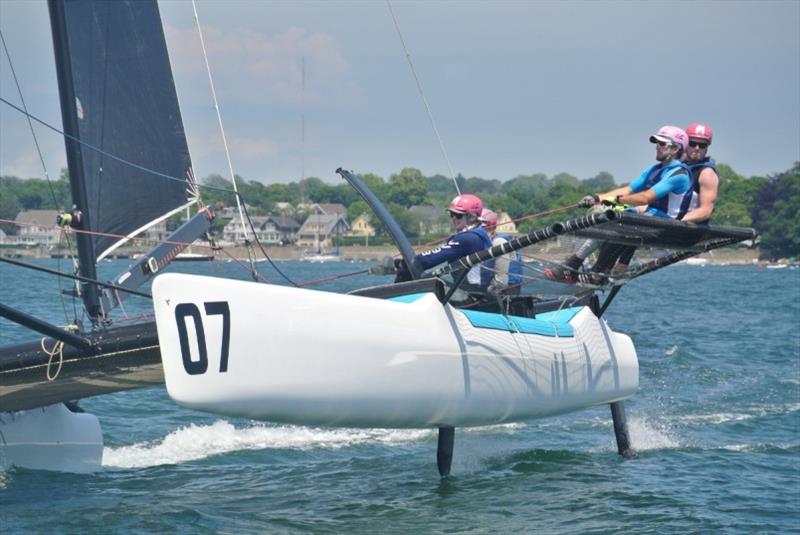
(716, 423)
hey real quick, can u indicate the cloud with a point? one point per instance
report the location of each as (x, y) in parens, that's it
(254, 148)
(256, 62)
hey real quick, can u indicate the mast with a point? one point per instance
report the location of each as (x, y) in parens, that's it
(69, 116)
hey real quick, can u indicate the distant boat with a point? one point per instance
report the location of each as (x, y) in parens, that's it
(777, 266)
(319, 257)
(696, 261)
(193, 257)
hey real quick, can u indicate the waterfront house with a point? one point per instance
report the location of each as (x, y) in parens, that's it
(319, 229)
(37, 227)
(278, 230)
(361, 226)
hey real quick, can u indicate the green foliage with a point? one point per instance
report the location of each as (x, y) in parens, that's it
(17, 195)
(775, 213)
(356, 209)
(407, 188)
(768, 203)
(735, 197)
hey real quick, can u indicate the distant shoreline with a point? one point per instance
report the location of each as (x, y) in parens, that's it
(737, 256)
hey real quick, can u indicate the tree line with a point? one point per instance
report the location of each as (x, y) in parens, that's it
(769, 203)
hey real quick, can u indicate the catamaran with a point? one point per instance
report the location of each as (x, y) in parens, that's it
(424, 353)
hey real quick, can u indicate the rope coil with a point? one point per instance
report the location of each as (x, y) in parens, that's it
(58, 349)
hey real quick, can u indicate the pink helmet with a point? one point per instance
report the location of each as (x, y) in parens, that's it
(466, 204)
(671, 134)
(700, 131)
(488, 218)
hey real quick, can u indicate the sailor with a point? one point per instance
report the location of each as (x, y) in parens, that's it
(469, 237)
(504, 273)
(660, 191)
(705, 179)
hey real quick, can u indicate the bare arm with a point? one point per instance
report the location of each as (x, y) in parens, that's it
(635, 199)
(611, 195)
(709, 186)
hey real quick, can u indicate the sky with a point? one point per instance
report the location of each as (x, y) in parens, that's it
(514, 87)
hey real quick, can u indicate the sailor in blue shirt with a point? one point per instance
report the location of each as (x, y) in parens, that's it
(659, 191)
(469, 237)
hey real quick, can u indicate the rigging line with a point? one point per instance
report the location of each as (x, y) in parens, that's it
(258, 242)
(44, 166)
(517, 220)
(28, 117)
(134, 239)
(422, 95)
(108, 234)
(74, 277)
(322, 280)
(221, 128)
(104, 153)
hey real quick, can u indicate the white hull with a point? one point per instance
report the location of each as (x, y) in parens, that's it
(319, 358)
(51, 438)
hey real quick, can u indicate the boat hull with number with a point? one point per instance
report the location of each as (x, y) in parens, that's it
(308, 357)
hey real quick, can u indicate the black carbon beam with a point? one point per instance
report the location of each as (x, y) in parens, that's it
(38, 373)
(396, 233)
(42, 327)
(444, 450)
(547, 233)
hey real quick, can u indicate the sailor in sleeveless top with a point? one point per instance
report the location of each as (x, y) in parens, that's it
(705, 178)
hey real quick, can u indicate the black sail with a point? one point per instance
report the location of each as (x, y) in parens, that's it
(118, 99)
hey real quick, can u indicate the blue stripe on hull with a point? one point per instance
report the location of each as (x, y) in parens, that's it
(555, 323)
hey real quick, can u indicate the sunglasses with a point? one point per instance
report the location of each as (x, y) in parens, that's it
(663, 144)
(456, 215)
(698, 145)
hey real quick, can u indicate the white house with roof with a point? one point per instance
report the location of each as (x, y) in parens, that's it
(236, 232)
(321, 228)
(330, 209)
(278, 230)
(37, 227)
(270, 230)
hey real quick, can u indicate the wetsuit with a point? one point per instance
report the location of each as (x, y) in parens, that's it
(457, 246)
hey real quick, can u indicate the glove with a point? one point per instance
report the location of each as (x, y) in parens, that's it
(615, 205)
(588, 201)
(387, 266)
(402, 274)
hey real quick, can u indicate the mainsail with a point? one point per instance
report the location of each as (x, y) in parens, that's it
(128, 159)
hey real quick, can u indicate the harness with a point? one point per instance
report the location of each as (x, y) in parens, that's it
(476, 274)
(694, 172)
(657, 173)
(514, 268)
